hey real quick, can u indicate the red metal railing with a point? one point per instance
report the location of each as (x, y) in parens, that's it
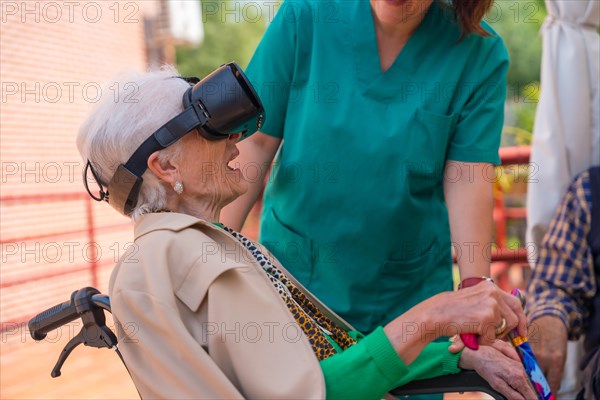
(503, 257)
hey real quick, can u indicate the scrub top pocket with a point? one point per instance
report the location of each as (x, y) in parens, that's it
(294, 251)
(429, 137)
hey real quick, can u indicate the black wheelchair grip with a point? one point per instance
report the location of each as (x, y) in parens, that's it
(53, 318)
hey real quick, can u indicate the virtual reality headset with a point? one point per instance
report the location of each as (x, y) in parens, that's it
(222, 104)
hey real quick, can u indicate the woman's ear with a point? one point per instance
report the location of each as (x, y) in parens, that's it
(166, 171)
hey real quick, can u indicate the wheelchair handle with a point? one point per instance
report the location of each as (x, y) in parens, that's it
(63, 313)
(53, 318)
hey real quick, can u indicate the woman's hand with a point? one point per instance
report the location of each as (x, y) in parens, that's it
(500, 365)
(479, 309)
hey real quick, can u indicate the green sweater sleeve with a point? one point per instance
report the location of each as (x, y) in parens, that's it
(371, 368)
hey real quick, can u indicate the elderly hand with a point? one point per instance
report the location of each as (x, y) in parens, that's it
(500, 365)
(549, 344)
(479, 309)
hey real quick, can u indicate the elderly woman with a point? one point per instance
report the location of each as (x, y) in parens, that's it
(203, 312)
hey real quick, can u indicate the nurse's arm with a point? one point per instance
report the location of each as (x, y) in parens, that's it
(470, 201)
(255, 159)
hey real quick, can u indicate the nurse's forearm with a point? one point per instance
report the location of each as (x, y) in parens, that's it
(470, 200)
(256, 155)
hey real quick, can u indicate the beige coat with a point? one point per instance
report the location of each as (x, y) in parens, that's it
(197, 318)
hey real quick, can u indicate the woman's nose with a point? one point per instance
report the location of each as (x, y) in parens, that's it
(235, 137)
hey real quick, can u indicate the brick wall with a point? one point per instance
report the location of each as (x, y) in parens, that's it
(54, 56)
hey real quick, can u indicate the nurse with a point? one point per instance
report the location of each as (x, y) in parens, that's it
(387, 115)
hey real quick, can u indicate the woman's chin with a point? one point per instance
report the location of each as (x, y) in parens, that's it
(237, 184)
(399, 11)
(242, 188)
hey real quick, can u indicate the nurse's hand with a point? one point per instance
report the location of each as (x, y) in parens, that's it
(480, 309)
(500, 366)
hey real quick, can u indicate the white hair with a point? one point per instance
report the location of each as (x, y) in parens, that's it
(131, 108)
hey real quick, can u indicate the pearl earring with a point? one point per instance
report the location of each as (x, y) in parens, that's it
(178, 187)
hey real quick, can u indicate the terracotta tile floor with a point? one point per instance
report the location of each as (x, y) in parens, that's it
(89, 373)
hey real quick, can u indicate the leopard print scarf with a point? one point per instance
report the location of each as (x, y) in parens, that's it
(313, 322)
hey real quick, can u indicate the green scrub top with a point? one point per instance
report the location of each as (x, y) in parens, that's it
(354, 207)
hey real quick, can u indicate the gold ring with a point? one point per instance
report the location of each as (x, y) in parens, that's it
(501, 328)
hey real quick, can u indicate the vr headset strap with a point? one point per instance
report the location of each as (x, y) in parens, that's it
(128, 177)
(165, 136)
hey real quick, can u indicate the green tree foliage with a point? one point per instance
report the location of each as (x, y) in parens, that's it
(519, 22)
(232, 30)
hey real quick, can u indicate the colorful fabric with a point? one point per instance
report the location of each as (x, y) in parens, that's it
(563, 283)
(532, 368)
(315, 325)
(534, 372)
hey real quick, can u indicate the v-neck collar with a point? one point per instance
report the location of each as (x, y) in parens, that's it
(366, 53)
